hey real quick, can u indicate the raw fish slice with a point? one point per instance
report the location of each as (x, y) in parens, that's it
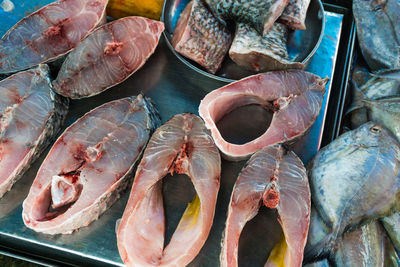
(353, 179)
(278, 179)
(366, 246)
(295, 13)
(262, 53)
(30, 116)
(48, 33)
(200, 37)
(259, 14)
(294, 96)
(378, 32)
(88, 166)
(182, 145)
(108, 56)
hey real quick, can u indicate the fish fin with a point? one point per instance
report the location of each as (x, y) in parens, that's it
(359, 102)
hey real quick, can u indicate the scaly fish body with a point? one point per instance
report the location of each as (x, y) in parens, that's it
(295, 13)
(182, 145)
(200, 37)
(277, 178)
(392, 227)
(88, 166)
(48, 33)
(108, 56)
(378, 32)
(30, 116)
(260, 14)
(344, 181)
(262, 53)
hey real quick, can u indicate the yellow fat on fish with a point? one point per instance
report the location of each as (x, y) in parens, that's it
(191, 214)
(277, 256)
(145, 8)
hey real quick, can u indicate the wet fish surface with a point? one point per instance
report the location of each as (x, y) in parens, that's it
(276, 178)
(89, 165)
(48, 33)
(200, 37)
(262, 53)
(321, 263)
(183, 146)
(391, 224)
(344, 174)
(259, 14)
(295, 14)
(378, 32)
(30, 116)
(108, 56)
(295, 97)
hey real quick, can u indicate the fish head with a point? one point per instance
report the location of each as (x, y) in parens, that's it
(371, 134)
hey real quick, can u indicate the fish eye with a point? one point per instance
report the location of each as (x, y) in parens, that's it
(375, 129)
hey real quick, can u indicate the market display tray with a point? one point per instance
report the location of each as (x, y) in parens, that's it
(175, 88)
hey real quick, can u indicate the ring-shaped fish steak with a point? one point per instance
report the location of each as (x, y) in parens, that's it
(295, 97)
(88, 166)
(182, 145)
(354, 179)
(30, 115)
(276, 178)
(48, 33)
(108, 56)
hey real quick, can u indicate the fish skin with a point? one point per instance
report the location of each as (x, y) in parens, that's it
(48, 33)
(321, 263)
(262, 53)
(295, 13)
(391, 224)
(108, 56)
(261, 15)
(26, 100)
(343, 182)
(205, 41)
(378, 32)
(379, 85)
(365, 246)
(98, 153)
(276, 177)
(290, 94)
(182, 145)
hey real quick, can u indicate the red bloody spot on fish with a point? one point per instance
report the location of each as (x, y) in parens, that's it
(183, 155)
(113, 48)
(271, 198)
(53, 31)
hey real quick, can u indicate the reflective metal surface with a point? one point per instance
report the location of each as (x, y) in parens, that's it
(301, 44)
(175, 88)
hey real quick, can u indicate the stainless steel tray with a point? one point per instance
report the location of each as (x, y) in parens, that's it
(175, 88)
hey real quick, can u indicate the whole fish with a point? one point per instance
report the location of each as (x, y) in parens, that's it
(276, 178)
(89, 165)
(262, 53)
(294, 97)
(378, 32)
(295, 13)
(361, 166)
(391, 224)
(200, 37)
(108, 56)
(182, 145)
(48, 33)
(259, 14)
(30, 116)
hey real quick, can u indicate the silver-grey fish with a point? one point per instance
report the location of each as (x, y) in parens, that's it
(295, 13)
(262, 53)
(378, 32)
(30, 115)
(321, 263)
(260, 14)
(366, 246)
(392, 227)
(354, 179)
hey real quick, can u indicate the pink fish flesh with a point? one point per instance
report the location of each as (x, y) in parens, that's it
(30, 116)
(48, 33)
(295, 97)
(182, 145)
(276, 178)
(295, 14)
(108, 56)
(200, 37)
(88, 166)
